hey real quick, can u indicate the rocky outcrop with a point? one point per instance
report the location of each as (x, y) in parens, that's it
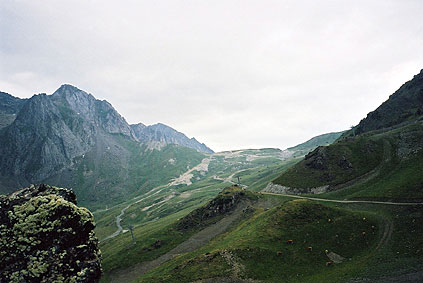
(45, 237)
(278, 189)
(317, 159)
(160, 133)
(224, 203)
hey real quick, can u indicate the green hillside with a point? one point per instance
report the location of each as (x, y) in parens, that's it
(160, 236)
(382, 165)
(271, 239)
(335, 164)
(175, 191)
(258, 248)
(139, 170)
(380, 158)
(254, 167)
(399, 176)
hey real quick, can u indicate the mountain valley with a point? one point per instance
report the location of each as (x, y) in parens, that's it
(340, 207)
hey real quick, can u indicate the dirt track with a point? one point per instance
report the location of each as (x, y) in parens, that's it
(346, 201)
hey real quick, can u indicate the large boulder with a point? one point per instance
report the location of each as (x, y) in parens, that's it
(45, 237)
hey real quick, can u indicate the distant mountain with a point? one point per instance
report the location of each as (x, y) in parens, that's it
(162, 135)
(404, 105)
(311, 144)
(50, 130)
(71, 139)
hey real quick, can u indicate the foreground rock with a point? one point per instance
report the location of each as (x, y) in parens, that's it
(45, 237)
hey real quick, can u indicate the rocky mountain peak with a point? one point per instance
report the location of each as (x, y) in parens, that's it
(166, 135)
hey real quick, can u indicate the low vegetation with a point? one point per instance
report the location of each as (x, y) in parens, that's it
(293, 241)
(335, 164)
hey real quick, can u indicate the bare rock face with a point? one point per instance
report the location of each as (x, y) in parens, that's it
(45, 237)
(166, 135)
(225, 202)
(317, 159)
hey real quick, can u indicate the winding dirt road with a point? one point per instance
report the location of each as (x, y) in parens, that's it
(345, 201)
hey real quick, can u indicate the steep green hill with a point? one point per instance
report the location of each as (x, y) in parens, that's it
(291, 242)
(380, 158)
(399, 176)
(334, 165)
(158, 238)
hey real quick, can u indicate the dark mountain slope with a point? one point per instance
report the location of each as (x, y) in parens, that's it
(9, 107)
(73, 140)
(404, 105)
(380, 158)
(50, 131)
(166, 135)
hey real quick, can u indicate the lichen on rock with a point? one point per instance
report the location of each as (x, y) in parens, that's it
(45, 237)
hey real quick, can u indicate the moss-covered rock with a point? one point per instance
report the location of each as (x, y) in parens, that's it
(45, 237)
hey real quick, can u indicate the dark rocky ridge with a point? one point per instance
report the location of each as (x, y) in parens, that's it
(45, 237)
(225, 202)
(10, 104)
(404, 105)
(9, 107)
(50, 130)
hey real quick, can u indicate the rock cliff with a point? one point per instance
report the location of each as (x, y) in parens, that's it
(166, 135)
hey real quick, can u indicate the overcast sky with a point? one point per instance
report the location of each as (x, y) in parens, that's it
(233, 74)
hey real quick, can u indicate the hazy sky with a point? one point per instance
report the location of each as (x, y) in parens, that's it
(233, 74)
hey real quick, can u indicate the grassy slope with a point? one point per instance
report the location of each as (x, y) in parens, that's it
(254, 174)
(396, 164)
(120, 253)
(399, 176)
(256, 241)
(364, 154)
(145, 169)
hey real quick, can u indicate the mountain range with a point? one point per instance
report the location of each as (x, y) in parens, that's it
(70, 137)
